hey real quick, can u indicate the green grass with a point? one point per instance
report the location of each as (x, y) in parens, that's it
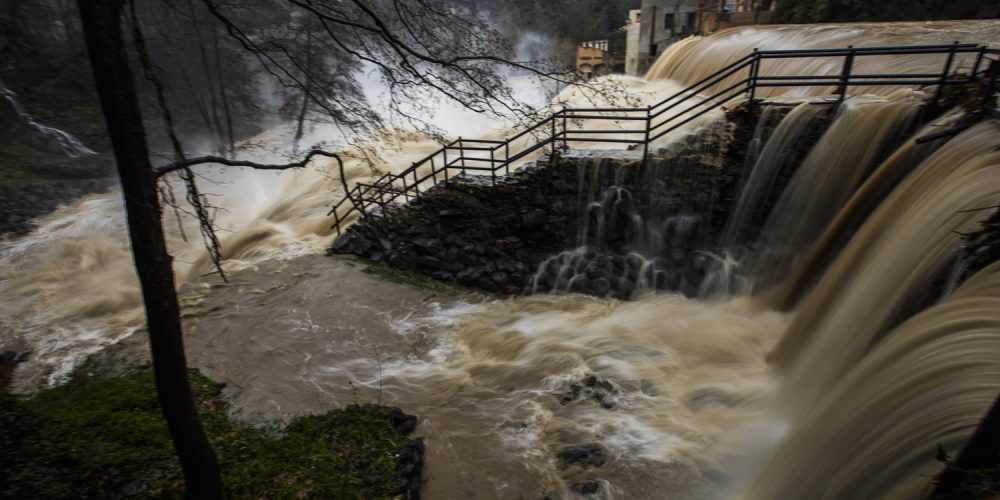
(411, 279)
(107, 439)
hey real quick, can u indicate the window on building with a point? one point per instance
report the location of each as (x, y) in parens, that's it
(668, 22)
(691, 20)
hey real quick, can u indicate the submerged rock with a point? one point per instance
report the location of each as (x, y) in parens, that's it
(583, 455)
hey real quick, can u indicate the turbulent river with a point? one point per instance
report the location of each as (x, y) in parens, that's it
(810, 375)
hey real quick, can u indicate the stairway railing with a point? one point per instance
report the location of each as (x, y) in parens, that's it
(742, 77)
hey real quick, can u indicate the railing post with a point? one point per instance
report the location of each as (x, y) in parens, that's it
(978, 63)
(645, 140)
(461, 154)
(944, 74)
(406, 191)
(552, 134)
(493, 170)
(445, 167)
(416, 181)
(434, 173)
(752, 81)
(845, 75)
(506, 154)
(565, 145)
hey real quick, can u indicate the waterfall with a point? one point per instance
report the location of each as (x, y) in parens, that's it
(839, 347)
(899, 249)
(862, 132)
(874, 433)
(69, 145)
(782, 149)
(694, 58)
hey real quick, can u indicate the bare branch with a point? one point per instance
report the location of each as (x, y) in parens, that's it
(190, 162)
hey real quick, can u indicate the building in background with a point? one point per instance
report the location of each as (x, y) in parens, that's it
(632, 42)
(592, 59)
(732, 13)
(663, 22)
(600, 57)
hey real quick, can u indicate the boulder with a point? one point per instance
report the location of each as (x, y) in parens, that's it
(583, 455)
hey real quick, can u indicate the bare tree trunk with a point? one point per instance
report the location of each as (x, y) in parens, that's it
(222, 92)
(116, 88)
(299, 129)
(213, 105)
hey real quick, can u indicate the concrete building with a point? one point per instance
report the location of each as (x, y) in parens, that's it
(632, 42)
(663, 22)
(592, 59)
(732, 13)
(746, 5)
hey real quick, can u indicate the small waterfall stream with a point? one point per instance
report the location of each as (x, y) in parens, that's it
(69, 145)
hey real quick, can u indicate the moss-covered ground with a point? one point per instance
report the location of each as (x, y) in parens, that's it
(411, 279)
(107, 439)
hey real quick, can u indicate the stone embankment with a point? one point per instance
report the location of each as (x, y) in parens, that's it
(477, 235)
(599, 223)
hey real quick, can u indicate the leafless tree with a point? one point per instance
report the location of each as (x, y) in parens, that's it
(424, 51)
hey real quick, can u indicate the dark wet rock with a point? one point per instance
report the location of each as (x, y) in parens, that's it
(427, 245)
(572, 394)
(590, 381)
(363, 464)
(410, 465)
(343, 244)
(588, 488)
(982, 247)
(403, 423)
(24, 357)
(428, 263)
(8, 356)
(488, 284)
(583, 455)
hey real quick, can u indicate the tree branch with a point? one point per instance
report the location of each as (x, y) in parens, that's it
(190, 162)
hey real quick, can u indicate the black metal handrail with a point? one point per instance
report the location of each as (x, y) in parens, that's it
(491, 156)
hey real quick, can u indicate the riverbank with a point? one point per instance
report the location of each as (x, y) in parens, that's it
(106, 438)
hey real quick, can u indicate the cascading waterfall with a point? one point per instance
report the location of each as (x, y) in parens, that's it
(872, 434)
(910, 238)
(862, 133)
(875, 189)
(69, 145)
(640, 226)
(778, 153)
(695, 58)
(841, 379)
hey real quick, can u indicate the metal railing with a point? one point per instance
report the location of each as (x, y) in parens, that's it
(742, 77)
